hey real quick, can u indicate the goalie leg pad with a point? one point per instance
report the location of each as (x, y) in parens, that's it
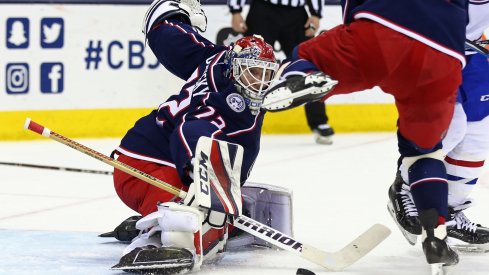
(216, 172)
(172, 225)
(179, 227)
(267, 204)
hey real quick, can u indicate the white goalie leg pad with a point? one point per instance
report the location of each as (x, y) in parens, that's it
(217, 172)
(267, 204)
(178, 225)
(147, 239)
(181, 227)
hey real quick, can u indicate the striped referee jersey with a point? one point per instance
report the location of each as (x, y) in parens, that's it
(315, 6)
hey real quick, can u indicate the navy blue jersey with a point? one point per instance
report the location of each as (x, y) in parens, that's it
(207, 105)
(438, 23)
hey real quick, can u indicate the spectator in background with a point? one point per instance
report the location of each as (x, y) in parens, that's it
(289, 22)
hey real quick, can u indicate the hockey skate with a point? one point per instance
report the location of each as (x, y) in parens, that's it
(126, 231)
(323, 134)
(464, 235)
(153, 260)
(403, 211)
(297, 90)
(438, 254)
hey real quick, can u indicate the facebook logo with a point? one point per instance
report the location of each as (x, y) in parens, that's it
(52, 76)
(17, 78)
(52, 33)
(17, 33)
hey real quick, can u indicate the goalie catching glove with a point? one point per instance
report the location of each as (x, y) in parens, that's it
(294, 90)
(180, 236)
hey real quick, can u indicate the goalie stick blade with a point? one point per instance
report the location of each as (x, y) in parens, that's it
(354, 251)
(333, 261)
(298, 90)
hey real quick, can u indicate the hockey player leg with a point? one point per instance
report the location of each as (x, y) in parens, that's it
(427, 179)
(465, 235)
(464, 164)
(189, 10)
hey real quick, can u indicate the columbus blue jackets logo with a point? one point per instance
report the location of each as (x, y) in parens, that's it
(251, 52)
(236, 102)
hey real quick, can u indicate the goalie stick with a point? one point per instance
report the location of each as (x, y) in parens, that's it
(60, 168)
(332, 261)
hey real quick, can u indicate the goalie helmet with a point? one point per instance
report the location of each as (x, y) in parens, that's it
(252, 66)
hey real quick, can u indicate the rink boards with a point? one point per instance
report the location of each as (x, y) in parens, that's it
(84, 70)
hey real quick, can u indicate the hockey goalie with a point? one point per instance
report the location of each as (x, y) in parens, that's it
(203, 140)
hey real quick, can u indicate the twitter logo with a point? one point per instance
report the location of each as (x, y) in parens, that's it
(52, 33)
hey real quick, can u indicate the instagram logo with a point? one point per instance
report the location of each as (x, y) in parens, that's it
(17, 78)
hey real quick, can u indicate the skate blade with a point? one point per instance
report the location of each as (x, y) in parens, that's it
(467, 248)
(410, 238)
(324, 140)
(471, 249)
(441, 269)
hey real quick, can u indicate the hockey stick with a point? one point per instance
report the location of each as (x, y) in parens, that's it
(68, 169)
(333, 261)
(482, 42)
(477, 46)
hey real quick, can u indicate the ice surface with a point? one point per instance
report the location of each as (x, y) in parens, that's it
(49, 220)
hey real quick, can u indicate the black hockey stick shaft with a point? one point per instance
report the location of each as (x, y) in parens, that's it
(58, 168)
(477, 46)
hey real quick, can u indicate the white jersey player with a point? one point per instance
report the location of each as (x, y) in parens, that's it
(466, 146)
(467, 140)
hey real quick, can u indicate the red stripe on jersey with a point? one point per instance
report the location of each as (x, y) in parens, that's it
(464, 163)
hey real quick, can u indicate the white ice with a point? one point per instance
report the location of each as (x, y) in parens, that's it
(49, 220)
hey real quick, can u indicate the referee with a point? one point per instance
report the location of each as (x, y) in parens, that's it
(289, 22)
